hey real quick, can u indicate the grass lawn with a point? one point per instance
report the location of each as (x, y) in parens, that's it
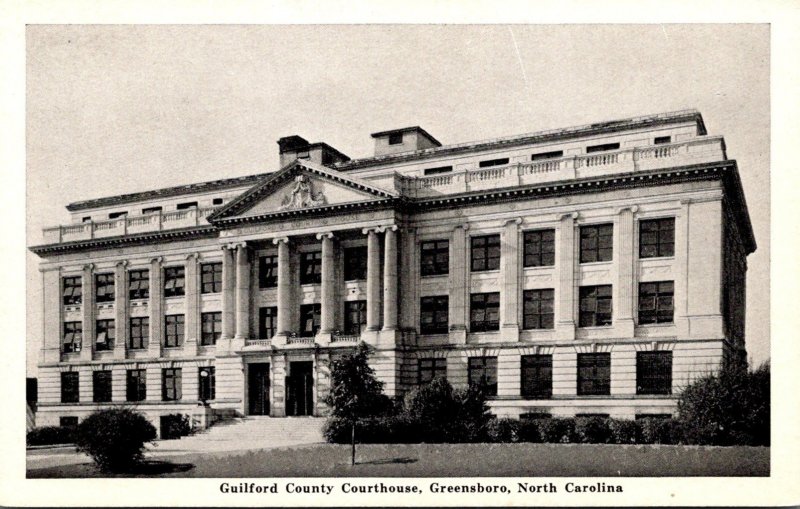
(452, 460)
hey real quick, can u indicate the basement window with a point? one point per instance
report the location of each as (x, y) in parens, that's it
(395, 138)
(438, 170)
(187, 205)
(602, 148)
(493, 162)
(661, 140)
(547, 155)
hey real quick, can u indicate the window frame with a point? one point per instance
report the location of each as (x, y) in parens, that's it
(354, 260)
(663, 248)
(664, 291)
(594, 379)
(174, 330)
(434, 307)
(104, 288)
(268, 272)
(214, 319)
(70, 387)
(395, 138)
(483, 371)
(72, 334)
(171, 384)
(311, 260)
(139, 284)
(534, 244)
(107, 326)
(135, 385)
(539, 298)
(102, 381)
(174, 281)
(265, 312)
(431, 253)
(435, 366)
(598, 318)
(360, 311)
(484, 325)
(598, 254)
(206, 385)
(141, 323)
(539, 383)
(650, 383)
(483, 244)
(75, 296)
(315, 317)
(212, 271)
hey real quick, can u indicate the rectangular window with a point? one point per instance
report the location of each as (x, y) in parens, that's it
(217, 201)
(69, 387)
(104, 287)
(73, 290)
(602, 148)
(140, 333)
(395, 138)
(136, 385)
(485, 253)
(355, 316)
(268, 271)
(653, 372)
(211, 277)
(537, 311)
(435, 257)
(152, 210)
(87, 219)
(101, 386)
(428, 369)
(595, 306)
(483, 372)
(67, 421)
(656, 302)
(438, 170)
(657, 237)
(594, 374)
(207, 383)
(211, 328)
(117, 215)
(661, 140)
(73, 336)
(139, 284)
(539, 248)
(173, 331)
(171, 384)
(597, 243)
(186, 205)
(267, 322)
(311, 268)
(309, 320)
(547, 155)
(537, 376)
(493, 162)
(433, 315)
(106, 334)
(484, 310)
(174, 282)
(355, 263)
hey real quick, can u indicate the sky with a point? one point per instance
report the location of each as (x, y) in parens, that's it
(116, 109)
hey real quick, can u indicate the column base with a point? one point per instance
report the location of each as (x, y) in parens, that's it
(565, 331)
(223, 345)
(510, 332)
(119, 353)
(458, 335)
(388, 338)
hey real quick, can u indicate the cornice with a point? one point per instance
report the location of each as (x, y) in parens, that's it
(126, 240)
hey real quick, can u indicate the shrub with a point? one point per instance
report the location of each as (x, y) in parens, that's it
(529, 430)
(445, 414)
(657, 430)
(51, 435)
(376, 430)
(728, 408)
(175, 426)
(623, 431)
(115, 438)
(503, 430)
(592, 430)
(557, 431)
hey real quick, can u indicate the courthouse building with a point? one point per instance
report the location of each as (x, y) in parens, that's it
(586, 270)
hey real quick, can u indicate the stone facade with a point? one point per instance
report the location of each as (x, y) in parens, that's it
(649, 168)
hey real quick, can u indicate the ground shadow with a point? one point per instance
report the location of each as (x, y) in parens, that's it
(155, 467)
(388, 461)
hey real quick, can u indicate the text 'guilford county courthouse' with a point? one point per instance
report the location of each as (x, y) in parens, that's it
(587, 270)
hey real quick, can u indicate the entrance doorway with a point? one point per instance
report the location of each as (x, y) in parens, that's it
(258, 388)
(300, 389)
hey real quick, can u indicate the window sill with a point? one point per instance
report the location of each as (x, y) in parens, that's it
(659, 258)
(433, 276)
(662, 325)
(539, 267)
(485, 271)
(174, 297)
(542, 329)
(596, 327)
(308, 285)
(435, 334)
(594, 264)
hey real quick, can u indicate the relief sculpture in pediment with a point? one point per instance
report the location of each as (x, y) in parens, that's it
(302, 195)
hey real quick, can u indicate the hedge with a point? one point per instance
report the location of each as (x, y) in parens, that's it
(51, 435)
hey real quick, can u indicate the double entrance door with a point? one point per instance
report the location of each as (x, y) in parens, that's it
(258, 388)
(299, 389)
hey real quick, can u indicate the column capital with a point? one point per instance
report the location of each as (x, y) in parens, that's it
(279, 240)
(196, 256)
(633, 208)
(88, 267)
(517, 220)
(327, 235)
(463, 226)
(564, 215)
(373, 229)
(122, 263)
(236, 245)
(157, 259)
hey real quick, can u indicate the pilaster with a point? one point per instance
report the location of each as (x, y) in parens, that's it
(192, 330)
(390, 279)
(457, 279)
(623, 294)
(565, 311)
(89, 312)
(509, 280)
(155, 306)
(52, 315)
(682, 270)
(228, 288)
(121, 309)
(409, 276)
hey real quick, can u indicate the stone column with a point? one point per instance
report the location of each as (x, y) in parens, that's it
(121, 309)
(457, 307)
(88, 307)
(623, 300)
(373, 279)
(192, 305)
(565, 311)
(390, 279)
(242, 294)
(155, 306)
(328, 289)
(509, 280)
(52, 315)
(284, 290)
(228, 285)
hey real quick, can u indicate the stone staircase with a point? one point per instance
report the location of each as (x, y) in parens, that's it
(243, 433)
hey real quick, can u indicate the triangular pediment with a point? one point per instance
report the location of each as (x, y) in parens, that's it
(301, 186)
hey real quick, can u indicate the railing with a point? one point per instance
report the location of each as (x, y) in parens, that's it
(696, 150)
(258, 342)
(300, 340)
(156, 221)
(345, 338)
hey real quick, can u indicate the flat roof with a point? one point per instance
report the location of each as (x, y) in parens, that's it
(415, 128)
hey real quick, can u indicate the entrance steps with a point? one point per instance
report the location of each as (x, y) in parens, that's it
(252, 432)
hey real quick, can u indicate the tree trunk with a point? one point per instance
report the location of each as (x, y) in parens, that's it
(353, 445)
